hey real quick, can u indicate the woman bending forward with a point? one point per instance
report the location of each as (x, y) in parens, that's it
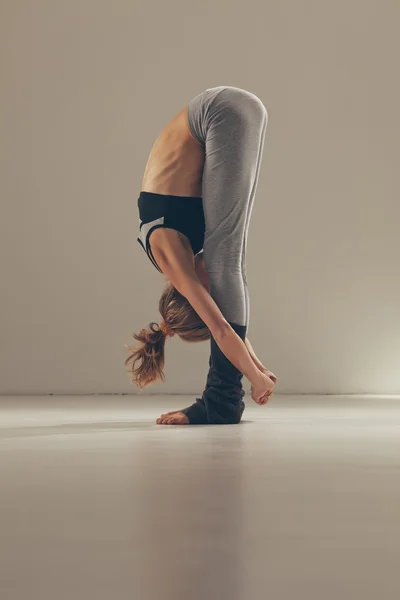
(194, 208)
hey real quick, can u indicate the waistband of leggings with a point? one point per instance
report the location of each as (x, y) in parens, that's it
(153, 195)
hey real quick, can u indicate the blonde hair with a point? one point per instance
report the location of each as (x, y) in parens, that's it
(179, 318)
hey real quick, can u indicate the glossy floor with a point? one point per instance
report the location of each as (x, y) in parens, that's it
(301, 500)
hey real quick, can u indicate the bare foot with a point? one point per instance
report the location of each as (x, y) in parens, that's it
(172, 412)
(168, 414)
(173, 418)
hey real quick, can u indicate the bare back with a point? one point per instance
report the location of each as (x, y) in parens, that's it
(176, 161)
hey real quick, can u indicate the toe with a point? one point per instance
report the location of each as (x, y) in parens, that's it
(172, 412)
(175, 418)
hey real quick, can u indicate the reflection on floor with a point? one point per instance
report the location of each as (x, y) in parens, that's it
(300, 500)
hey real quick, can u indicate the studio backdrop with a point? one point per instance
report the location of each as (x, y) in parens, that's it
(87, 85)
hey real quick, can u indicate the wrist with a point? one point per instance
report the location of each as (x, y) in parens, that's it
(255, 376)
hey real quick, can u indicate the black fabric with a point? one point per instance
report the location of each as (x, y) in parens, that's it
(222, 399)
(182, 213)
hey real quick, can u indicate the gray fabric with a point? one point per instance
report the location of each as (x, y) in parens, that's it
(231, 123)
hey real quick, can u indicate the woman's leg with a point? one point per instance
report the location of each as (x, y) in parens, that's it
(233, 148)
(235, 129)
(247, 223)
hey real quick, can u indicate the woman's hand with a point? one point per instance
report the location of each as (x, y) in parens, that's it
(262, 388)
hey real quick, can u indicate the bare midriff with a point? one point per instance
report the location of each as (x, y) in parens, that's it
(176, 161)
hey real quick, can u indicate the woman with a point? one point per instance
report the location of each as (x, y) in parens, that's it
(195, 205)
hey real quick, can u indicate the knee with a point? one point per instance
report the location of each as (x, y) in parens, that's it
(250, 101)
(261, 110)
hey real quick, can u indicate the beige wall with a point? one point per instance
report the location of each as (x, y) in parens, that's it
(86, 87)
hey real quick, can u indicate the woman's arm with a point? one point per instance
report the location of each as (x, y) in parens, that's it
(203, 277)
(224, 335)
(182, 274)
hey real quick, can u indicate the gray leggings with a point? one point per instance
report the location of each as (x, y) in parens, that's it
(231, 123)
